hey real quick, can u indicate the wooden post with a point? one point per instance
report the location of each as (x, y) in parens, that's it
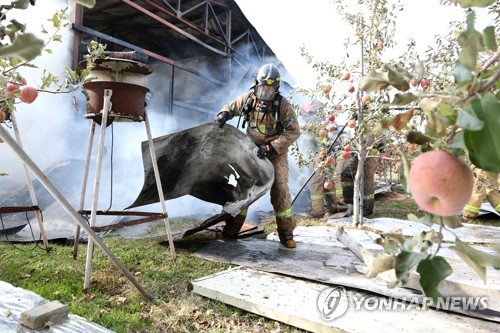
(84, 186)
(160, 187)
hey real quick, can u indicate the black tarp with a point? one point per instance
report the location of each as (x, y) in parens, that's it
(217, 165)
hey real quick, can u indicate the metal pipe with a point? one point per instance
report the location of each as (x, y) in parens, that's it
(31, 190)
(68, 208)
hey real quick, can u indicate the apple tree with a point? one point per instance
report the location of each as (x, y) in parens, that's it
(20, 48)
(445, 103)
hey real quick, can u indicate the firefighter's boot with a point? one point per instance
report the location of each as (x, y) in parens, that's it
(233, 225)
(285, 231)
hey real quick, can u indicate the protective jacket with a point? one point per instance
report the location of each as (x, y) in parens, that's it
(278, 127)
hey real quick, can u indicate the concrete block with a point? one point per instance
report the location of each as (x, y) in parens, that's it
(48, 312)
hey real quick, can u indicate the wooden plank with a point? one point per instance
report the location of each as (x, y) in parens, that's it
(298, 302)
(319, 235)
(307, 261)
(470, 233)
(462, 282)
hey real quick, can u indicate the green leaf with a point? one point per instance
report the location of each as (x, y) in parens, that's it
(425, 220)
(477, 260)
(390, 246)
(468, 55)
(418, 138)
(432, 272)
(397, 78)
(25, 46)
(489, 38)
(406, 171)
(473, 3)
(71, 73)
(409, 244)
(381, 263)
(483, 146)
(468, 120)
(20, 4)
(447, 111)
(458, 141)
(405, 261)
(452, 222)
(403, 99)
(437, 125)
(56, 20)
(16, 26)
(374, 81)
(461, 74)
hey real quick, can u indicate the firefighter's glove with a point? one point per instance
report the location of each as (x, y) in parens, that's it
(222, 118)
(265, 150)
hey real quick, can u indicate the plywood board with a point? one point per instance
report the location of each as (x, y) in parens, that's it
(301, 304)
(331, 265)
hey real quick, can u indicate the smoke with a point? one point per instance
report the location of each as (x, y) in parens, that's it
(52, 131)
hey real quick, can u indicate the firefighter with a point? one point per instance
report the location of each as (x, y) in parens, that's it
(321, 196)
(273, 127)
(485, 186)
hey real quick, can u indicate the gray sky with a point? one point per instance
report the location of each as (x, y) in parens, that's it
(286, 25)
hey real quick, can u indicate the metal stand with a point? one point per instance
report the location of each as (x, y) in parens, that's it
(68, 208)
(31, 190)
(93, 213)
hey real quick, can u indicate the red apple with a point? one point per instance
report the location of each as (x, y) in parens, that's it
(322, 133)
(330, 160)
(327, 88)
(414, 82)
(351, 89)
(323, 123)
(346, 76)
(346, 155)
(440, 183)
(330, 128)
(351, 123)
(331, 117)
(11, 87)
(347, 148)
(28, 94)
(328, 185)
(425, 83)
(3, 116)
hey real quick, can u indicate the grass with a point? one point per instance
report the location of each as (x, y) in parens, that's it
(115, 303)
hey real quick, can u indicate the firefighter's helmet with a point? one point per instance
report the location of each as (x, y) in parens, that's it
(267, 82)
